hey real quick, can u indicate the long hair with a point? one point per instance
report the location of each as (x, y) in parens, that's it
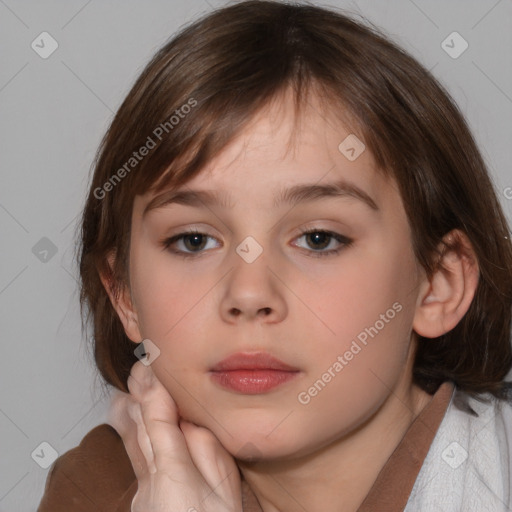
(205, 84)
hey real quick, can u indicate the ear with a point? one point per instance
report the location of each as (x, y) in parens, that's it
(446, 296)
(122, 302)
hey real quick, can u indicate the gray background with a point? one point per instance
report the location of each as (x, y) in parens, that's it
(53, 113)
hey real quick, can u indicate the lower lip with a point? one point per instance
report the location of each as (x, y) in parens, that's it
(252, 382)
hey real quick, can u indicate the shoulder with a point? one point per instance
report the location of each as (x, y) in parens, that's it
(487, 419)
(469, 464)
(93, 476)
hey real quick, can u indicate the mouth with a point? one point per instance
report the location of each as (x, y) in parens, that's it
(252, 373)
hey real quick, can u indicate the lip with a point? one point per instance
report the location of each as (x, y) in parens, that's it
(252, 361)
(252, 373)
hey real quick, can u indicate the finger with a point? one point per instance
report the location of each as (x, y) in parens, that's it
(144, 443)
(184, 461)
(213, 461)
(120, 417)
(160, 417)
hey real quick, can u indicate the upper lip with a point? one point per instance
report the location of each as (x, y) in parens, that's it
(252, 361)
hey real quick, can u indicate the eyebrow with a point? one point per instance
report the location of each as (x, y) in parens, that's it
(293, 195)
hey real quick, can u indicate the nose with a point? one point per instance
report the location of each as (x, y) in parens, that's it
(263, 312)
(253, 293)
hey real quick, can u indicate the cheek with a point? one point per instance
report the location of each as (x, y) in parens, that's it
(352, 297)
(366, 319)
(166, 299)
(185, 387)
(351, 379)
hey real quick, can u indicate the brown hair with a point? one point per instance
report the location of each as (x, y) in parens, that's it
(231, 63)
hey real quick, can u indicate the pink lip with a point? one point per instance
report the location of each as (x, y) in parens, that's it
(252, 361)
(252, 373)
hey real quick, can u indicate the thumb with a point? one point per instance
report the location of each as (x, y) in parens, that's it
(214, 462)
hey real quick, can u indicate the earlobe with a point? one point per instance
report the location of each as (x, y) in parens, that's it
(122, 302)
(446, 297)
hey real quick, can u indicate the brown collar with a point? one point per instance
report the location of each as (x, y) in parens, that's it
(395, 481)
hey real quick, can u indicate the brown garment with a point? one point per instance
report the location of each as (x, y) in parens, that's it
(97, 475)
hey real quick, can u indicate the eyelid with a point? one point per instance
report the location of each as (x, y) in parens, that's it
(170, 240)
(343, 240)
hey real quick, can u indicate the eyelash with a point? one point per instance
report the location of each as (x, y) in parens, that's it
(346, 242)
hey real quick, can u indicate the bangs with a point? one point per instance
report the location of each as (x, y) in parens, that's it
(192, 100)
(206, 85)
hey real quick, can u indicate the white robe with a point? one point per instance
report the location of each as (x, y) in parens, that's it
(469, 464)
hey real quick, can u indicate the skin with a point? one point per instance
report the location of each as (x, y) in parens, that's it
(302, 309)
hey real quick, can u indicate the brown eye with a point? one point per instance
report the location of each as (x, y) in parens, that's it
(189, 243)
(195, 241)
(317, 240)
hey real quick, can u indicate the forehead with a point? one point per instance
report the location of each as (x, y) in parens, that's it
(277, 151)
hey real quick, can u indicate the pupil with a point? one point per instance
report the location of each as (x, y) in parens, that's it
(196, 238)
(318, 237)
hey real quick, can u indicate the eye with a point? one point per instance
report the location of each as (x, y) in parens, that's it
(192, 243)
(321, 239)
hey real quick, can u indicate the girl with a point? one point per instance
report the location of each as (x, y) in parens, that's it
(299, 278)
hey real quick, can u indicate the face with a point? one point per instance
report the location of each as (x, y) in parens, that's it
(335, 304)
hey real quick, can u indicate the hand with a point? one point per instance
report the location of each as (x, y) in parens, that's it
(180, 467)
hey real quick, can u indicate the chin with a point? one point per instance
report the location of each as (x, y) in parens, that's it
(252, 435)
(251, 445)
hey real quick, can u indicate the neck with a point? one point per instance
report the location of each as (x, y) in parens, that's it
(337, 476)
